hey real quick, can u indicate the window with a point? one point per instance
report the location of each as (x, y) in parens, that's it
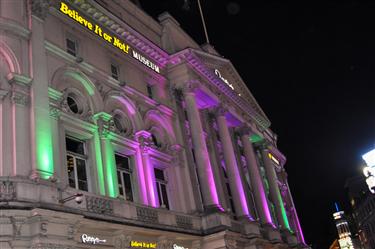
(124, 176)
(229, 191)
(119, 123)
(115, 71)
(161, 186)
(155, 141)
(149, 91)
(72, 46)
(76, 163)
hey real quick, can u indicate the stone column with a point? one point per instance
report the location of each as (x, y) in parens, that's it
(204, 168)
(41, 130)
(235, 179)
(144, 138)
(274, 189)
(256, 180)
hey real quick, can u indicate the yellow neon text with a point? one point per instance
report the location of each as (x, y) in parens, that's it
(141, 244)
(73, 14)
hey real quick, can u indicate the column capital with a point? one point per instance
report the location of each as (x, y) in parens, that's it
(220, 110)
(244, 130)
(190, 86)
(39, 8)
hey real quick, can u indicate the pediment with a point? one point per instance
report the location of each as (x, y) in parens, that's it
(223, 69)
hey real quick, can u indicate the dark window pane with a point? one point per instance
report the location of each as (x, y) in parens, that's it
(70, 168)
(228, 188)
(81, 174)
(159, 174)
(71, 47)
(74, 146)
(159, 194)
(165, 196)
(232, 205)
(114, 71)
(128, 187)
(72, 104)
(149, 91)
(122, 162)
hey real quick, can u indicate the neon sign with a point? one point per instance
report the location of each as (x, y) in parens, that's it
(86, 239)
(115, 41)
(175, 246)
(142, 244)
(217, 72)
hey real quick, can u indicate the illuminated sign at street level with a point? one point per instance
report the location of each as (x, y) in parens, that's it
(116, 42)
(142, 244)
(175, 246)
(86, 239)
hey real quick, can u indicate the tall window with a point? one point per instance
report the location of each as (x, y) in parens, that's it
(161, 186)
(76, 163)
(115, 71)
(230, 196)
(72, 46)
(124, 176)
(149, 91)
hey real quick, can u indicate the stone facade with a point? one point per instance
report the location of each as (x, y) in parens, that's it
(119, 131)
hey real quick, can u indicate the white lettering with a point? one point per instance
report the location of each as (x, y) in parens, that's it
(175, 246)
(146, 62)
(217, 72)
(86, 239)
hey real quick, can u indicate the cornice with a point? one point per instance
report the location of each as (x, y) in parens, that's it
(117, 26)
(189, 56)
(13, 27)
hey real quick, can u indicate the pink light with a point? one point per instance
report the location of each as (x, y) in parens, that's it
(141, 179)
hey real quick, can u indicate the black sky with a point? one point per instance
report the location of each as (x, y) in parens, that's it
(310, 66)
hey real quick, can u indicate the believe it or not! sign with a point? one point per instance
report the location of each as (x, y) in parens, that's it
(112, 39)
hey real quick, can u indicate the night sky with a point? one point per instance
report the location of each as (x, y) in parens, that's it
(310, 66)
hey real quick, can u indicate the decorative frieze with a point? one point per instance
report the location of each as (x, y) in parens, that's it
(147, 215)
(19, 98)
(7, 191)
(99, 205)
(51, 246)
(184, 222)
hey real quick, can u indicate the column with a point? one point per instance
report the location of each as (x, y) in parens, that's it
(149, 183)
(204, 168)
(256, 180)
(274, 190)
(235, 179)
(41, 131)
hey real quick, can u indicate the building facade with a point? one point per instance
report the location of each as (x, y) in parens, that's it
(119, 131)
(362, 202)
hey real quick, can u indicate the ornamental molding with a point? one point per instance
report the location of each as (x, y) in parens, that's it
(19, 98)
(123, 30)
(15, 28)
(51, 246)
(7, 191)
(19, 79)
(39, 8)
(147, 215)
(99, 205)
(199, 67)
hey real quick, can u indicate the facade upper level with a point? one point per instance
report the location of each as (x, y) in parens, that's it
(154, 130)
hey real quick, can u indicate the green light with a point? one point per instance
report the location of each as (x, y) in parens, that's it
(44, 149)
(283, 213)
(84, 81)
(110, 166)
(254, 138)
(99, 164)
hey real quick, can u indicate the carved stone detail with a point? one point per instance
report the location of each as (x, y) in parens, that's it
(54, 112)
(51, 246)
(147, 215)
(19, 98)
(165, 244)
(43, 228)
(39, 8)
(7, 191)
(184, 222)
(122, 242)
(99, 205)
